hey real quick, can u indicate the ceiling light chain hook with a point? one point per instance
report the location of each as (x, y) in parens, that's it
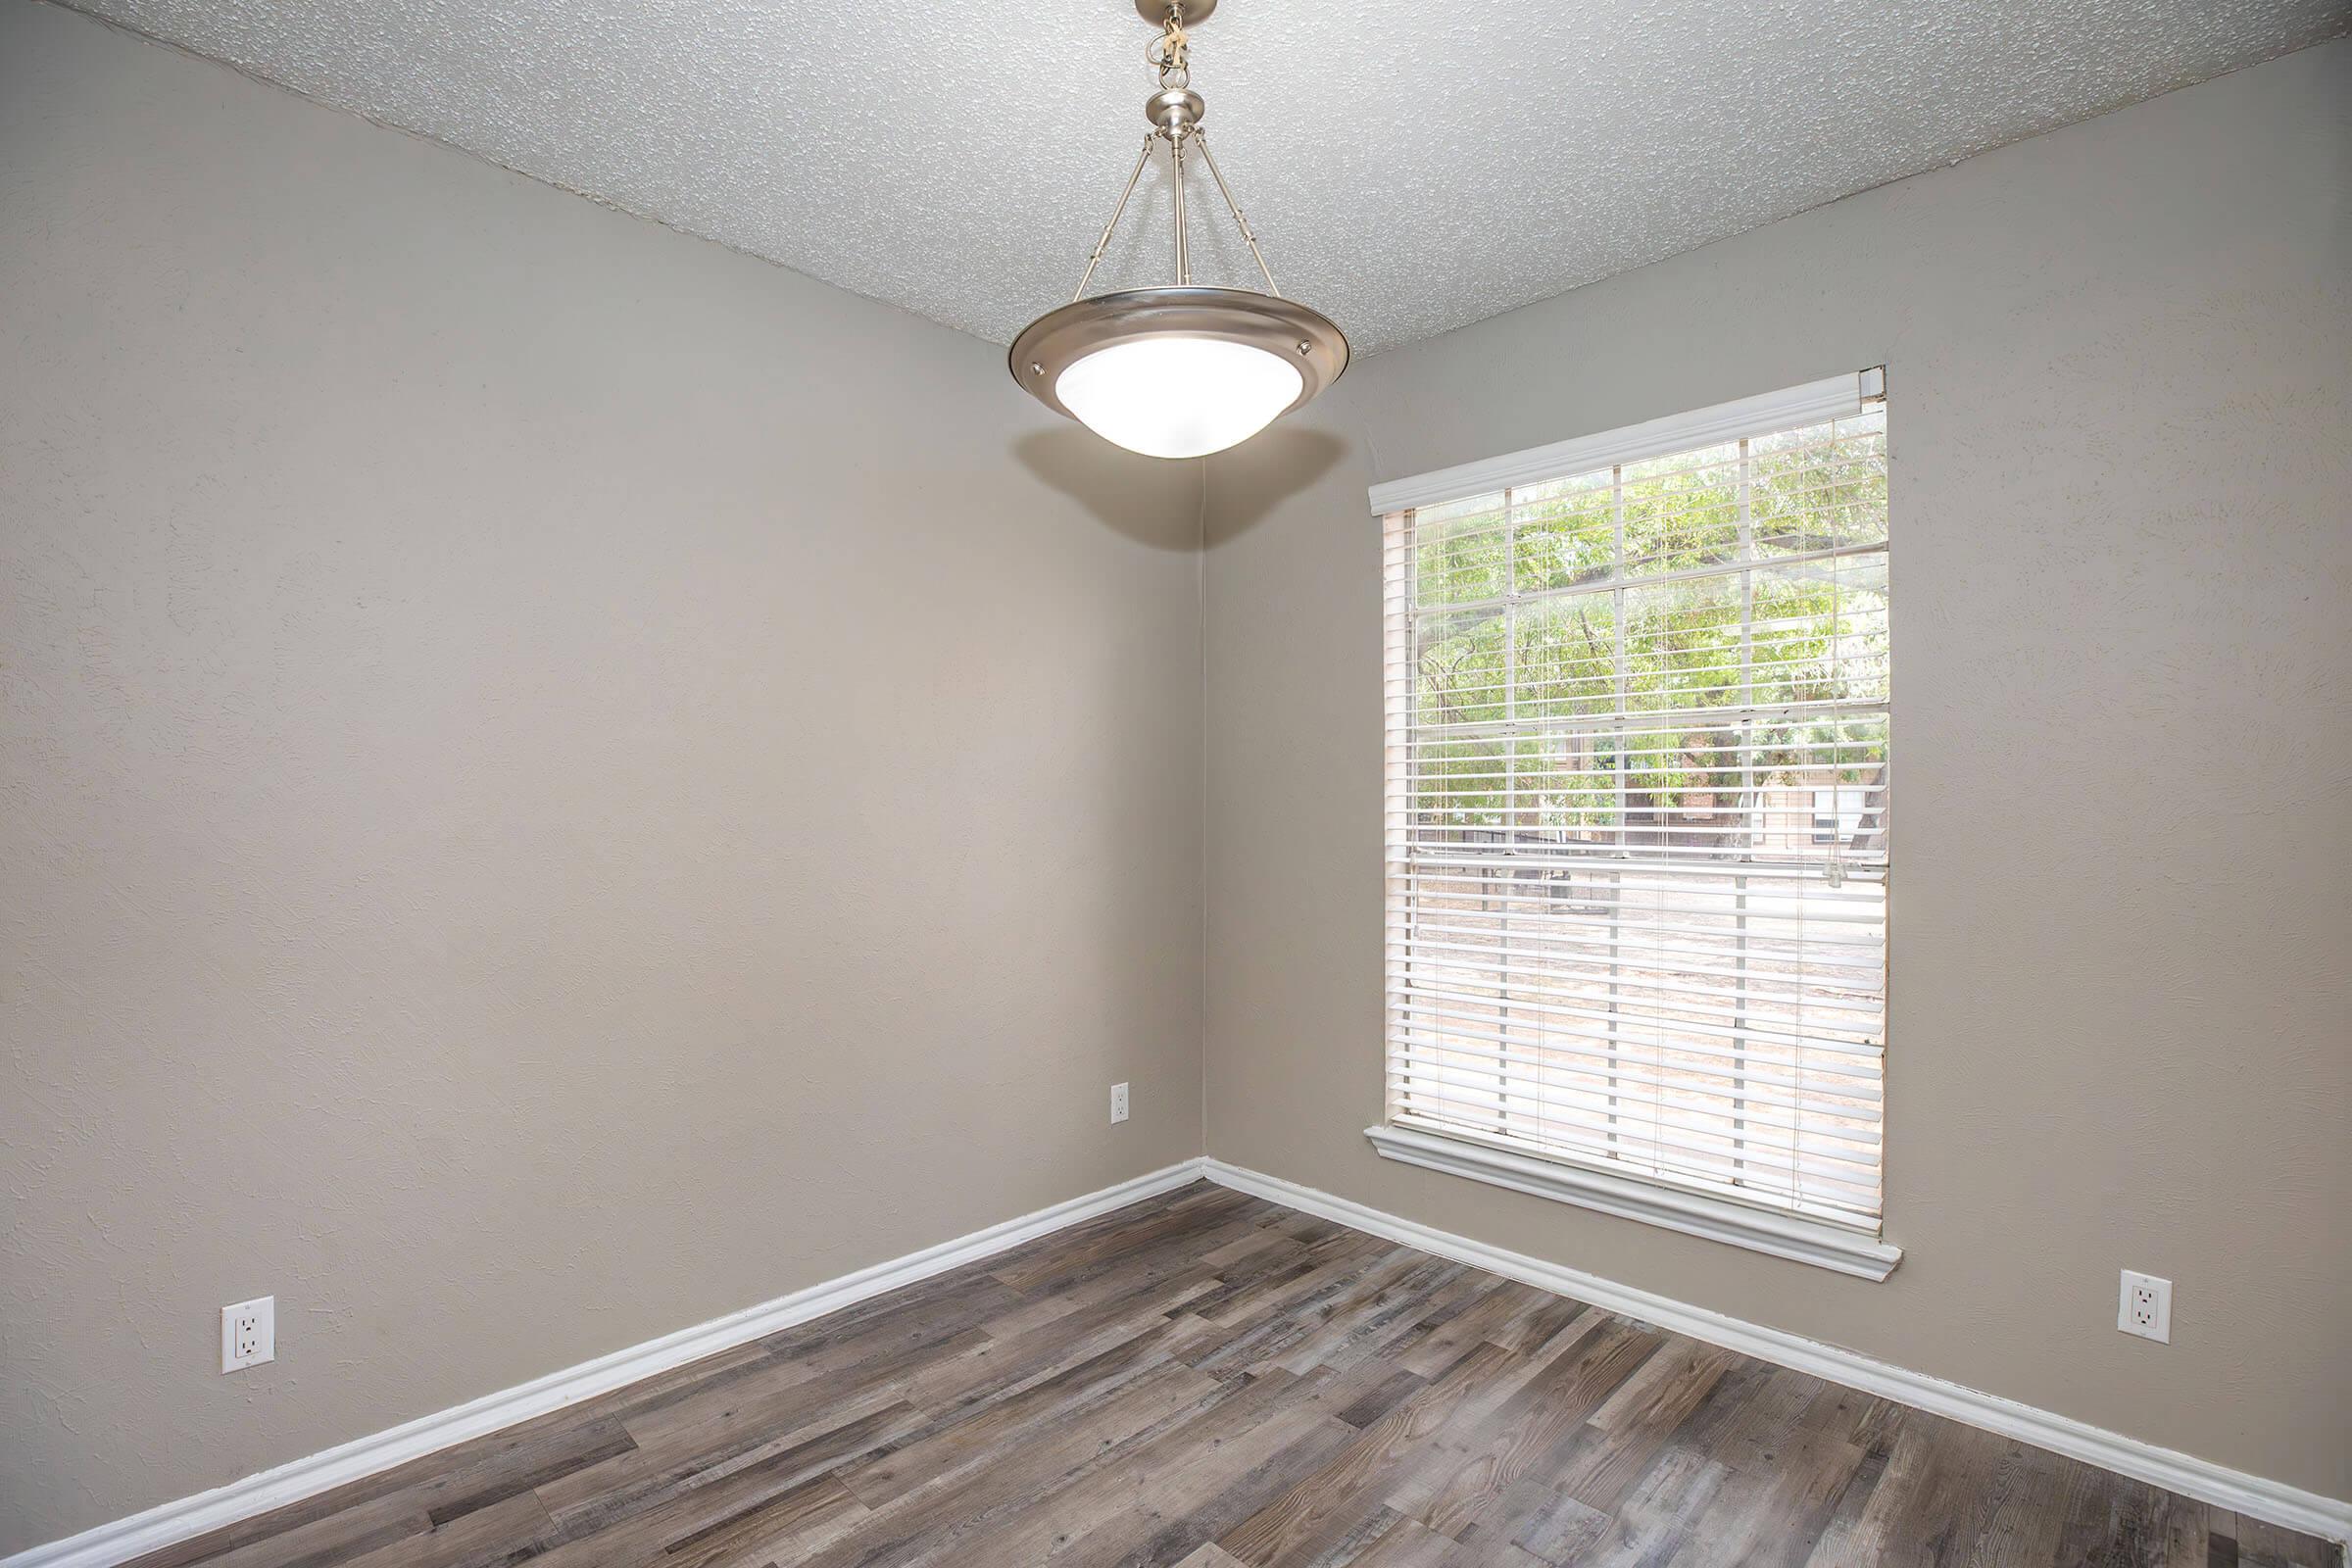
(1170, 54)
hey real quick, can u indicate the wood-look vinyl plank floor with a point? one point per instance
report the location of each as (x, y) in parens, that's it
(1205, 1380)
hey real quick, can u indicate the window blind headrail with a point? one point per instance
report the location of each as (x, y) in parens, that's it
(1830, 398)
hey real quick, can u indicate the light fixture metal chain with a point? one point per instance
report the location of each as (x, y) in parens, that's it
(1170, 54)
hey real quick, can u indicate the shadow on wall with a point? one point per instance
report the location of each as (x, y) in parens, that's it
(1103, 478)
(1266, 470)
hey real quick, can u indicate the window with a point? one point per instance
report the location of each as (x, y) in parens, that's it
(1836, 813)
(1639, 781)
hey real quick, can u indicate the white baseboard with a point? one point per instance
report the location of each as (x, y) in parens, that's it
(172, 1522)
(126, 1539)
(2267, 1501)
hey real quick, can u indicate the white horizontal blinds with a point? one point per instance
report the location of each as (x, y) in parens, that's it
(1637, 815)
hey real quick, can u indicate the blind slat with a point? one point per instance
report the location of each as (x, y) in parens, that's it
(1600, 1078)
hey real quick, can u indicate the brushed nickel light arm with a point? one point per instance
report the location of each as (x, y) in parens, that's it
(1200, 138)
(1183, 262)
(1103, 244)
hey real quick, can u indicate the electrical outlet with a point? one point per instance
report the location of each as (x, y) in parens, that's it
(2146, 1308)
(1118, 1102)
(249, 1333)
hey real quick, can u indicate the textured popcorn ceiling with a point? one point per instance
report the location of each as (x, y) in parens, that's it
(1409, 167)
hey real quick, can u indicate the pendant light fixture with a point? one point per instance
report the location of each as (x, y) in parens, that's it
(1181, 370)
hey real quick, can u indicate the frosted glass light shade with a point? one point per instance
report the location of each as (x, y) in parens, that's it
(1178, 372)
(1178, 396)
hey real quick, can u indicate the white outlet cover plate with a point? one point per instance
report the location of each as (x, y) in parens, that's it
(2159, 1325)
(1118, 1102)
(249, 1333)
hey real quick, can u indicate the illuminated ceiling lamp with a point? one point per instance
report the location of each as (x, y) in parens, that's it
(1183, 369)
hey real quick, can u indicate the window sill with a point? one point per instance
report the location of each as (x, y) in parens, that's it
(1718, 1219)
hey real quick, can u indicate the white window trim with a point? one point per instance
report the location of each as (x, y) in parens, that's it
(1718, 1219)
(1830, 398)
(1645, 1199)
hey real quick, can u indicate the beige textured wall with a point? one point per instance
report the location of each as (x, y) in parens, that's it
(555, 781)
(2119, 359)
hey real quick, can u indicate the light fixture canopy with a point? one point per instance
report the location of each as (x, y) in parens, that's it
(1181, 370)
